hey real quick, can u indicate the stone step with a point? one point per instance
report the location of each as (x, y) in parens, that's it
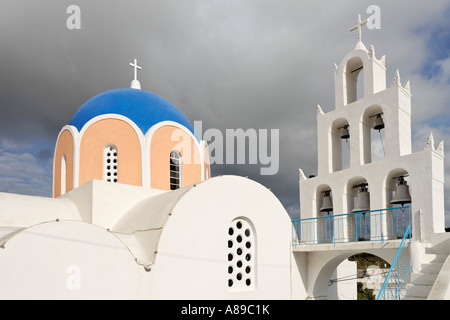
(439, 249)
(434, 257)
(422, 282)
(413, 298)
(423, 278)
(417, 290)
(431, 268)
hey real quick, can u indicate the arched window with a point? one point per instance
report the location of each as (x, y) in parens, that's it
(207, 174)
(241, 255)
(63, 174)
(176, 170)
(110, 164)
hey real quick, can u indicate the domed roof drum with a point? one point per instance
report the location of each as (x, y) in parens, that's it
(144, 108)
(129, 136)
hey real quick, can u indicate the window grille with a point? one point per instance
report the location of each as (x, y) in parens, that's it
(241, 256)
(176, 166)
(110, 164)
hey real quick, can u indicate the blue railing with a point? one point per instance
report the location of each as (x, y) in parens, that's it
(398, 273)
(375, 225)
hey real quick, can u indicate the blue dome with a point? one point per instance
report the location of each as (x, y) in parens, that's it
(144, 108)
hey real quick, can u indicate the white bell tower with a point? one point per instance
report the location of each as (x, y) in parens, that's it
(363, 101)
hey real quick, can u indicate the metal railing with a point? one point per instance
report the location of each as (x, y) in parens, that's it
(394, 284)
(375, 225)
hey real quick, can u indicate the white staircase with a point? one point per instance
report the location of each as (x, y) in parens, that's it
(421, 282)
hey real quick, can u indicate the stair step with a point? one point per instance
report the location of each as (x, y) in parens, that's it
(412, 298)
(434, 258)
(433, 267)
(423, 278)
(436, 249)
(417, 290)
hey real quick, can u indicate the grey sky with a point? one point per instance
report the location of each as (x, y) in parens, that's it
(259, 64)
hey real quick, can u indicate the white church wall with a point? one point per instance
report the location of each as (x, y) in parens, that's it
(82, 198)
(191, 261)
(299, 275)
(103, 203)
(111, 203)
(141, 226)
(438, 203)
(69, 260)
(24, 211)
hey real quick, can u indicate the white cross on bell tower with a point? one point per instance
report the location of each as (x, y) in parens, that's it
(358, 26)
(135, 84)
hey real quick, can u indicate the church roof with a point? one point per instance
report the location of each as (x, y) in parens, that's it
(144, 108)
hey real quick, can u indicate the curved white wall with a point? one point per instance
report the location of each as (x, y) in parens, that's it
(191, 262)
(69, 260)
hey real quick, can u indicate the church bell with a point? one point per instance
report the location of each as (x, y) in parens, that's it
(379, 123)
(402, 195)
(345, 133)
(362, 199)
(327, 204)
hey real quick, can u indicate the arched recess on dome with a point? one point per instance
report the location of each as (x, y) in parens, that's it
(108, 130)
(63, 173)
(353, 80)
(162, 140)
(373, 140)
(340, 148)
(64, 155)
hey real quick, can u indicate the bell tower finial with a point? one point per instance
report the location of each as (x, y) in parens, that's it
(135, 84)
(358, 27)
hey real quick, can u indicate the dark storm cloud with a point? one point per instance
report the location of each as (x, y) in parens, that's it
(260, 64)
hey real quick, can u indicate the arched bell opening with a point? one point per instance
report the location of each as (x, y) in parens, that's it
(324, 206)
(373, 132)
(358, 207)
(398, 193)
(398, 201)
(340, 144)
(324, 200)
(358, 186)
(354, 87)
